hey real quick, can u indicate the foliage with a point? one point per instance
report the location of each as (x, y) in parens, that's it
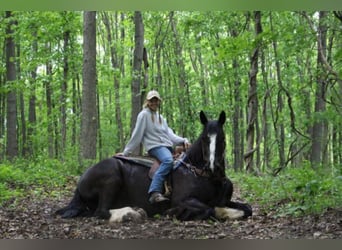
(42, 176)
(215, 49)
(295, 191)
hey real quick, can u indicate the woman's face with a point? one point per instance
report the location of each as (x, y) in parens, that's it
(154, 103)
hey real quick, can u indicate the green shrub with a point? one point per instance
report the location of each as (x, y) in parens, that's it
(40, 177)
(294, 191)
(8, 193)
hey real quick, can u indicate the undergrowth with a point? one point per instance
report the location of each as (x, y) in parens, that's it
(41, 177)
(295, 191)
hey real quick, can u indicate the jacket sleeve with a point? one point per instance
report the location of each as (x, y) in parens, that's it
(176, 140)
(137, 135)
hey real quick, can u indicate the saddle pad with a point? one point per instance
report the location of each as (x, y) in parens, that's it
(144, 160)
(140, 160)
(148, 162)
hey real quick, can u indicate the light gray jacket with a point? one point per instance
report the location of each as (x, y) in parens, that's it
(152, 133)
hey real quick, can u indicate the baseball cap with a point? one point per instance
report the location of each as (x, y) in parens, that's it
(151, 94)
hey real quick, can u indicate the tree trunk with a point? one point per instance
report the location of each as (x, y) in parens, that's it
(252, 111)
(49, 105)
(279, 128)
(76, 104)
(137, 98)
(12, 136)
(237, 142)
(319, 127)
(115, 62)
(22, 131)
(2, 117)
(265, 108)
(63, 116)
(199, 69)
(89, 119)
(337, 133)
(29, 150)
(184, 94)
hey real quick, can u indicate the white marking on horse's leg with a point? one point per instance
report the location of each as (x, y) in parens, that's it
(225, 213)
(127, 214)
(118, 214)
(212, 148)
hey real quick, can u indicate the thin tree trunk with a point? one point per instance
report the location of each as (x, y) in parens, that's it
(11, 77)
(49, 105)
(137, 98)
(89, 121)
(116, 77)
(63, 116)
(337, 135)
(2, 117)
(119, 114)
(76, 104)
(319, 127)
(265, 108)
(279, 126)
(29, 150)
(237, 146)
(22, 139)
(120, 65)
(252, 112)
(184, 95)
(196, 58)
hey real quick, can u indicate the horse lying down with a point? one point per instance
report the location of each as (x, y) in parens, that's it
(116, 189)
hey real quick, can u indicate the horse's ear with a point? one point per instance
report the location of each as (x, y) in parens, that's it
(222, 118)
(203, 118)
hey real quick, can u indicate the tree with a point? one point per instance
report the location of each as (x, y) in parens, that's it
(183, 94)
(252, 97)
(64, 84)
(137, 70)
(89, 120)
(319, 133)
(197, 60)
(32, 117)
(12, 136)
(117, 65)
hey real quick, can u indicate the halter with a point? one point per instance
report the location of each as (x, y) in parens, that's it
(193, 169)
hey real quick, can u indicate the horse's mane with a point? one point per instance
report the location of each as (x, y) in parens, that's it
(195, 154)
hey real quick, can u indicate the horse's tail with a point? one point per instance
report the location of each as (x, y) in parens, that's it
(75, 208)
(235, 210)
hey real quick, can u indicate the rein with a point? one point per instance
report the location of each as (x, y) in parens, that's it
(193, 169)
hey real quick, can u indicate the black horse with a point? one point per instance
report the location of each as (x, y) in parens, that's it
(200, 188)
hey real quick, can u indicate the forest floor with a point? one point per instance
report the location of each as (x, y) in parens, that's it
(33, 218)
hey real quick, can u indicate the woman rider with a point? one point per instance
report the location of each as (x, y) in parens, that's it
(158, 139)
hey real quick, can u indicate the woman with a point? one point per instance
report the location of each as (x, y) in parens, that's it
(158, 139)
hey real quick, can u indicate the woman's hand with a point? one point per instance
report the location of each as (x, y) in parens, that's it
(187, 144)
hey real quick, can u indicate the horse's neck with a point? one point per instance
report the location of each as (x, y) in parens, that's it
(194, 155)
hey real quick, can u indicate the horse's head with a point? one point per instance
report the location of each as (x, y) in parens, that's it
(209, 150)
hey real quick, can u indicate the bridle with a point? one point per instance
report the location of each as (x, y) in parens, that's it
(202, 172)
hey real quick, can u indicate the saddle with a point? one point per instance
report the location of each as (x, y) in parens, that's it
(151, 162)
(154, 164)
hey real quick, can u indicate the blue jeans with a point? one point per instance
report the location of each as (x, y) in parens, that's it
(164, 155)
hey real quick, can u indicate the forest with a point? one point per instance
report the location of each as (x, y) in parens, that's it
(73, 82)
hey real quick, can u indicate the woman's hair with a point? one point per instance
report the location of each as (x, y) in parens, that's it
(145, 105)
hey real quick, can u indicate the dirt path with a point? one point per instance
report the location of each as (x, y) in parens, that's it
(34, 219)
